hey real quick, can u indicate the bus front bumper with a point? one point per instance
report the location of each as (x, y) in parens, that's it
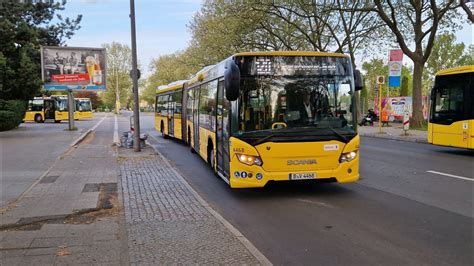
(255, 176)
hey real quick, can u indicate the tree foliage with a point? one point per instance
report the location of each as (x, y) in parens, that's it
(119, 83)
(416, 24)
(24, 27)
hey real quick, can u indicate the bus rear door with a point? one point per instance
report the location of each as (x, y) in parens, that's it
(222, 133)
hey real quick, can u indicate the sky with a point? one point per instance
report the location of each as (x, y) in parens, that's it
(161, 25)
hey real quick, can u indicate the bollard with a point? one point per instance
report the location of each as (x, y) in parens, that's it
(406, 121)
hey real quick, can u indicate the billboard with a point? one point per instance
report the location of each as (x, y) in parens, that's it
(395, 106)
(73, 68)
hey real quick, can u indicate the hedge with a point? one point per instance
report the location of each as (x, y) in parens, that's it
(11, 113)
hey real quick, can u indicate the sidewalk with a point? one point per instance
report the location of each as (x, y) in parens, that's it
(168, 223)
(395, 132)
(71, 215)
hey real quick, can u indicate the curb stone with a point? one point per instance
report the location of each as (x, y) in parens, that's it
(393, 138)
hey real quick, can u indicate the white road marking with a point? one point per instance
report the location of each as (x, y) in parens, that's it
(98, 123)
(116, 136)
(450, 175)
(319, 203)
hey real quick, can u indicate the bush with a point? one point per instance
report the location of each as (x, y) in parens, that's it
(12, 113)
(8, 120)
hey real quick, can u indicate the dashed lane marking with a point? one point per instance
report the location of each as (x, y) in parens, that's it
(450, 175)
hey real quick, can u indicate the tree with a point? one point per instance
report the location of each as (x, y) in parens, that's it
(404, 86)
(465, 7)
(95, 100)
(24, 27)
(446, 53)
(119, 64)
(416, 22)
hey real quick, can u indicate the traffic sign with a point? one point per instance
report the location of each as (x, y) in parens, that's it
(380, 80)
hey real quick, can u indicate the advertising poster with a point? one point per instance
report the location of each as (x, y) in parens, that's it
(395, 106)
(73, 68)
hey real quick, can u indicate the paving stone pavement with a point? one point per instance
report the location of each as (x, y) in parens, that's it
(44, 227)
(166, 223)
(394, 132)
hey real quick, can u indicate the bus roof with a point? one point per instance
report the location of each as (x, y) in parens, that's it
(171, 87)
(290, 53)
(456, 70)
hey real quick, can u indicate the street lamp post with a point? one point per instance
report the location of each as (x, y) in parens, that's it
(136, 110)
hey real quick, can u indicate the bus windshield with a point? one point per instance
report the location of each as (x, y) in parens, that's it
(84, 106)
(450, 99)
(284, 103)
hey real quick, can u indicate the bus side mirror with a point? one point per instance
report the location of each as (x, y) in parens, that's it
(358, 80)
(232, 81)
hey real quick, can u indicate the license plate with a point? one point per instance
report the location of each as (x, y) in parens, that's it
(301, 176)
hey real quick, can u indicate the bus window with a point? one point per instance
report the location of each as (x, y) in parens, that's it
(177, 98)
(189, 104)
(207, 105)
(449, 105)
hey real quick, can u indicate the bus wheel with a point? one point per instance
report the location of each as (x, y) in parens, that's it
(38, 118)
(57, 121)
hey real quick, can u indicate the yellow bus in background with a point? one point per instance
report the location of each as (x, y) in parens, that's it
(258, 117)
(168, 110)
(83, 108)
(64, 107)
(451, 121)
(43, 108)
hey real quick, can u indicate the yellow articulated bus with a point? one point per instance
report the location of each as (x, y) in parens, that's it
(168, 110)
(83, 108)
(451, 121)
(269, 116)
(64, 107)
(41, 109)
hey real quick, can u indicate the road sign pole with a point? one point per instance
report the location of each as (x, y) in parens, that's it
(136, 110)
(71, 107)
(380, 108)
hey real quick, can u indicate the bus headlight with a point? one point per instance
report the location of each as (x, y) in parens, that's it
(348, 156)
(249, 159)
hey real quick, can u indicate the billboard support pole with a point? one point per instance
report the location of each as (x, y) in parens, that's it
(136, 110)
(70, 101)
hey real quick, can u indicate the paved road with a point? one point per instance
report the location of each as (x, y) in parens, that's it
(28, 151)
(397, 214)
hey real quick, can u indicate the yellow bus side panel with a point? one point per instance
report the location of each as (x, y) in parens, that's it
(454, 135)
(65, 115)
(471, 134)
(159, 119)
(204, 135)
(30, 115)
(177, 128)
(85, 115)
(275, 157)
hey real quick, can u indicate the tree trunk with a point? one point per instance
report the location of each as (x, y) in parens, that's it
(417, 112)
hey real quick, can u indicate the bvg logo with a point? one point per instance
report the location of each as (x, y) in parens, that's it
(301, 162)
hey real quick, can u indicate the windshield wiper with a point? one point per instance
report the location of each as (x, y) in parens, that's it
(262, 140)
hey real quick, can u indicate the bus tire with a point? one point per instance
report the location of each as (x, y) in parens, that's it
(57, 121)
(38, 118)
(211, 159)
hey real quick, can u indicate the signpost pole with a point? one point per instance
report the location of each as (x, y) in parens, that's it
(136, 110)
(380, 108)
(71, 107)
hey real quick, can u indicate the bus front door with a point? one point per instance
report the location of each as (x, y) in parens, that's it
(49, 109)
(222, 133)
(170, 116)
(196, 118)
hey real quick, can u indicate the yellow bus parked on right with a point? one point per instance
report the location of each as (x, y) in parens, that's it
(451, 121)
